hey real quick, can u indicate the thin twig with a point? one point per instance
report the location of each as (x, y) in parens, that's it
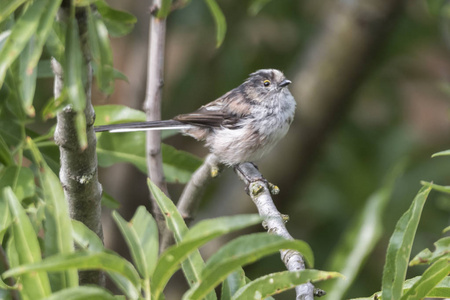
(152, 106)
(274, 222)
(192, 194)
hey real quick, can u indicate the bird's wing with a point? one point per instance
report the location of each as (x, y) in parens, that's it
(226, 111)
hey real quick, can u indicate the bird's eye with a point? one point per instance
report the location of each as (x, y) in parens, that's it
(266, 82)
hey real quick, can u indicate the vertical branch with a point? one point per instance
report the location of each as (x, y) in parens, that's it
(152, 105)
(78, 173)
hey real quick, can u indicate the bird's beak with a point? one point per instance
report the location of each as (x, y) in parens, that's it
(285, 82)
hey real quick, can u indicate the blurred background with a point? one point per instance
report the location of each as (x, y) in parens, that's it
(372, 82)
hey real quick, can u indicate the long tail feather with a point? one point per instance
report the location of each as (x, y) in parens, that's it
(143, 126)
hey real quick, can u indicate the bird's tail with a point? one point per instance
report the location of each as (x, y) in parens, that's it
(143, 126)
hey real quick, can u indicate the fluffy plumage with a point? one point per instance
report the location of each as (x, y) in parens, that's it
(242, 125)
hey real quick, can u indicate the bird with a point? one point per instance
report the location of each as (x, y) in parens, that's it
(241, 126)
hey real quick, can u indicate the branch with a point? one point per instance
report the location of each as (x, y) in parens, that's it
(192, 194)
(152, 106)
(259, 191)
(78, 173)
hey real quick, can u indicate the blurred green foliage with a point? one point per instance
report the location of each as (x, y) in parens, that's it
(400, 112)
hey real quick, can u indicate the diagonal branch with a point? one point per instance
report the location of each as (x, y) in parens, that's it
(192, 194)
(152, 105)
(259, 191)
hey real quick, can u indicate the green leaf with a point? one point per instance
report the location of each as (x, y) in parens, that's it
(27, 82)
(8, 7)
(85, 238)
(5, 155)
(119, 75)
(81, 260)
(109, 202)
(399, 248)
(440, 188)
(36, 285)
(279, 282)
(58, 229)
(429, 279)
(55, 43)
(82, 293)
(88, 240)
(21, 33)
(114, 114)
(219, 19)
(239, 252)
(441, 290)
(5, 217)
(446, 152)
(164, 10)
(73, 82)
(361, 238)
(426, 256)
(194, 264)
(199, 235)
(118, 22)
(21, 180)
(42, 32)
(101, 53)
(130, 147)
(256, 6)
(141, 236)
(232, 284)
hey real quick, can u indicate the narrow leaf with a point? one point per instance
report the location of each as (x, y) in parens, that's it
(232, 284)
(200, 234)
(436, 187)
(58, 229)
(113, 114)
(441, 290)
(141, 236)
(429, 279)
(27, 84)
(279, 282)
(82, 293)
(35, 285)
(361, 238)
(86, 238)
(43, 30)
(109, 202)
(21, 180)
(256, 6)
(8, 7)
(399, 248)
(73, 72)
(81, 260)
(193, 266)
(101, 53)
(239, 252)
(164, 10)
(5, 156)
(426, 256)
(130, 147)
(21, 33)
(118, 22)
(445, 152)
(219, 19)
